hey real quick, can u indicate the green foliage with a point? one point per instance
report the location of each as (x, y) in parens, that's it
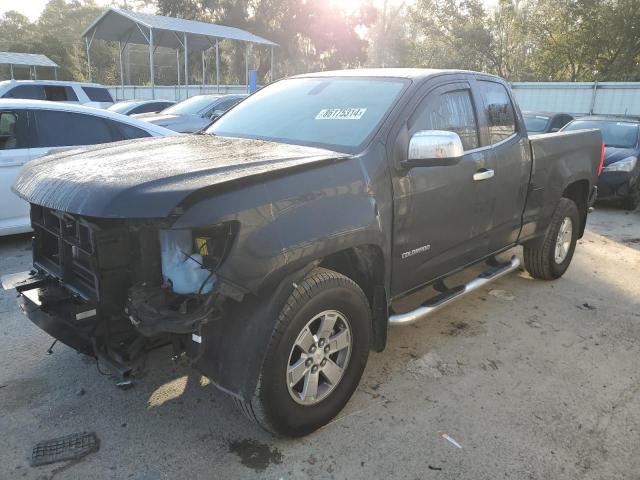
(538, 40)
(563, 40)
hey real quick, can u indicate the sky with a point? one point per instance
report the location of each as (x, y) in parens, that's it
(33, 8)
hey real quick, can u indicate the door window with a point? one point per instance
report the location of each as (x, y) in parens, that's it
(65, 129)
(451, 111)
(57, 93)
(32, 92)
(97, 94)
(12, 130)
(498, 110)
(129, 131)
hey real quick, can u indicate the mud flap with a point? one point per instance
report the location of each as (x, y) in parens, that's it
(231, 348)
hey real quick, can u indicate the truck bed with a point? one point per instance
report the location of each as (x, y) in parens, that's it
(559, 159)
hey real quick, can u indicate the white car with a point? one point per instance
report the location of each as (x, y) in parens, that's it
(32, 128)
(89, 94)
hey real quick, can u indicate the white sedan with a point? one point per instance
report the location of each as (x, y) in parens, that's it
(32, 128)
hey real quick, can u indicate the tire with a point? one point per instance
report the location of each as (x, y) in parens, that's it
(324, 296)
(633, 200)
(540, 258)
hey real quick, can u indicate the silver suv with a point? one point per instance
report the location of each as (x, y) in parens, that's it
(89, 94)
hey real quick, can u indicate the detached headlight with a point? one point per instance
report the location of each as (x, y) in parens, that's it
(624, 165)
(191, 257)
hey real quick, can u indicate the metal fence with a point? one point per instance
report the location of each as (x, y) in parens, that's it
(170, 92)
(578, 98)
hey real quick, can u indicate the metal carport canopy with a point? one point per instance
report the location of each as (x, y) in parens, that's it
(27, 60)
(125, 26)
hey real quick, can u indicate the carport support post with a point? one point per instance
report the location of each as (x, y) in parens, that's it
(55, 73)
(11, 68)
(271, 69)
(186, 64)
(246, 66)
(121, 69)
(86, 41)
(217, 67)
(153, 84)
(203, 71)
(178, 71)
(35, 73)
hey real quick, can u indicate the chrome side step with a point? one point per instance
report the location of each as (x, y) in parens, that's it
(446, 297)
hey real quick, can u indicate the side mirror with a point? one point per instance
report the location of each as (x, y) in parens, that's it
(432, 148)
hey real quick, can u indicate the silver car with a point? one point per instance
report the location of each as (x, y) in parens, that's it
(193, 114)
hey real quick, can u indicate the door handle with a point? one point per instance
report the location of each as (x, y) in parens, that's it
(483, 174)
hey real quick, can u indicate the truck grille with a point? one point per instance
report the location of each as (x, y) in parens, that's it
(85, 256)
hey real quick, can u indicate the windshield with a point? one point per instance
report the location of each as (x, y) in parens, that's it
(337, 113)
(614, 133)
(191, 106)
(536, 123)
(120, 107)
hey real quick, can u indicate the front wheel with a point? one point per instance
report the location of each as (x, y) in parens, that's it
(316, 356)
(550, 258)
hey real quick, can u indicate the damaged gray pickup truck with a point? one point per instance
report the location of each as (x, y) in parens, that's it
(269, 251)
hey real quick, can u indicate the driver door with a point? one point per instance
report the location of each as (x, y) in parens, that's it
(442, 214)
(14, 153)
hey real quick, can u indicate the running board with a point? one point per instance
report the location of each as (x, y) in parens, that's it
(434, 304)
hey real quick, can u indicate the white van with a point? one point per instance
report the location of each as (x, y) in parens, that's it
(32, 128)
(89, 94)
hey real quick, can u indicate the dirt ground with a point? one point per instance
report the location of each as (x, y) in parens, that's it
(534, 380)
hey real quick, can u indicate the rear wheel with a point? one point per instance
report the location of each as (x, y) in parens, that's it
(316, 356)
(549, 259)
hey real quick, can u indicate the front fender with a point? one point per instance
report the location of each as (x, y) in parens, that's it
(289, 221)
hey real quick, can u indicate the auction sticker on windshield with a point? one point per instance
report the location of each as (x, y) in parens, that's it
(341, 114)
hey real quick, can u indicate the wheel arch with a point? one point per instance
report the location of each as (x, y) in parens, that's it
(365, 265)
(578, 192)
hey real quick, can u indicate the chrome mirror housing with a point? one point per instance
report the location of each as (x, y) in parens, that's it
(433, 148)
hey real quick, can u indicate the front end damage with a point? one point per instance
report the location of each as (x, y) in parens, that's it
(114, 289)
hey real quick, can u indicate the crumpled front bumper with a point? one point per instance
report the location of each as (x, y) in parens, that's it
(55, 310)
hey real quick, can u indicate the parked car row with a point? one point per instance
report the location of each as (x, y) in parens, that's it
(619, 181)
(32, 128)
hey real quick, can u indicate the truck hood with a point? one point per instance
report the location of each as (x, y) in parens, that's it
(148, 178)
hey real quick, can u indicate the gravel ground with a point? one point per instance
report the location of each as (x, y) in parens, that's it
(534, 380)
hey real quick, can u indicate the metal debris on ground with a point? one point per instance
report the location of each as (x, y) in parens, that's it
(68, 447)
(449, 439)
(586, 306)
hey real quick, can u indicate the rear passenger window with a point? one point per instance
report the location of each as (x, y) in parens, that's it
(65, 129)
(13, 126)
(32, 92)
(499, 111)
(97, 94)
(129, 131)
(451, 111)
(57, 93)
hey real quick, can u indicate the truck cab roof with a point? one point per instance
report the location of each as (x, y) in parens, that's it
(409, 73)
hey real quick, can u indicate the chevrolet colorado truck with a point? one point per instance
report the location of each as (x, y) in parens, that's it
(270, 250)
